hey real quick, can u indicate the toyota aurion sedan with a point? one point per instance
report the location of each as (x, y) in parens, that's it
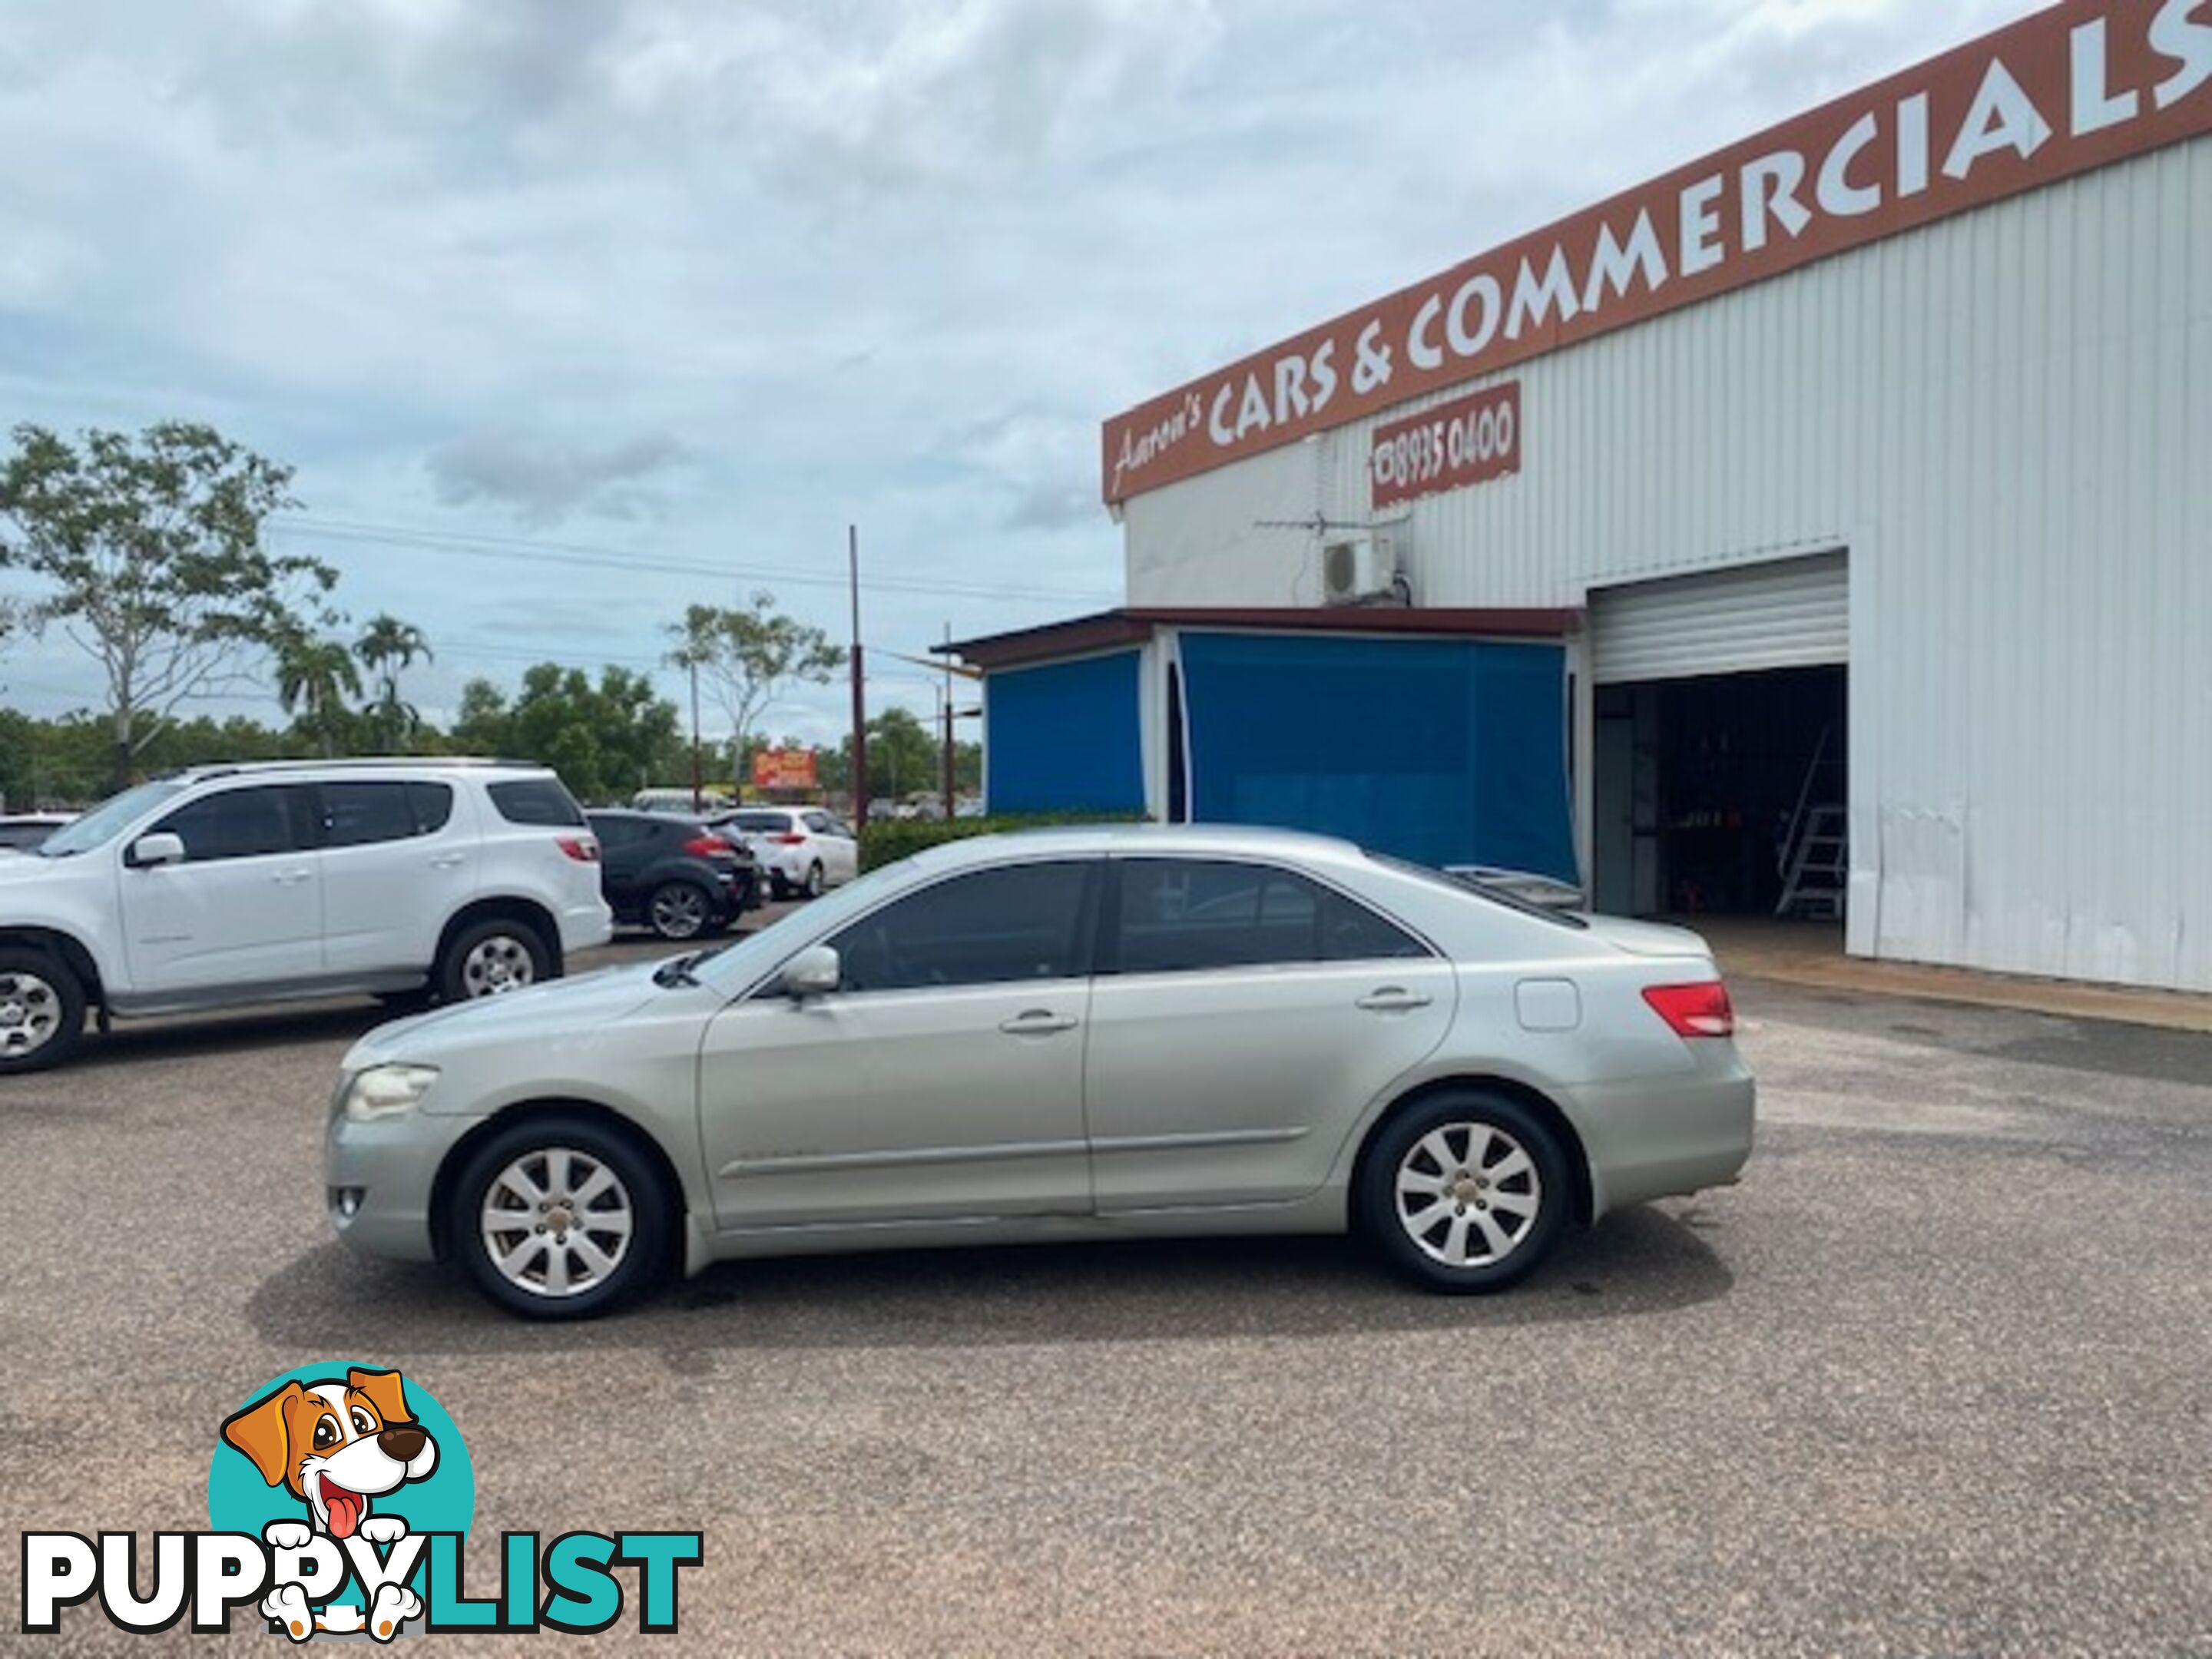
(1121, 1032)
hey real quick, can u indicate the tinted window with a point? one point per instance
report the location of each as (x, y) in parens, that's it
(433, 803)
(237, 823)
(356, 814)
(614, 831)
(817, 822)
(1182, 916)
(1029, 921)
(761, 824)
(535, 800)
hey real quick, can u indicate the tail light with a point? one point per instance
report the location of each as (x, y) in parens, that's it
(708, 846)
(789, 838)
(582, 848)
(1702, 1010)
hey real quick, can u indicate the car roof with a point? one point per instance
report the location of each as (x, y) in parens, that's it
(1155, 839)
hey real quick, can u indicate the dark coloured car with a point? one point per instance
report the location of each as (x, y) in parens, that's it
(673, 875)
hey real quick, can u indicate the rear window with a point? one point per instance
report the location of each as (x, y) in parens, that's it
(1470, 886)
(537, 801)
(761, 823)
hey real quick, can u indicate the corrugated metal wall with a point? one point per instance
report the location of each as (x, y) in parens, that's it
(2007, 419)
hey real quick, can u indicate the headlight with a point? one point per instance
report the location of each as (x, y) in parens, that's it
(387, 1090)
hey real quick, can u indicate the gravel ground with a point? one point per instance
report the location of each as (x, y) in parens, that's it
(1933, 1380)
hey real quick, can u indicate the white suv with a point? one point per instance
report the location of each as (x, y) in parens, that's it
(254, 884)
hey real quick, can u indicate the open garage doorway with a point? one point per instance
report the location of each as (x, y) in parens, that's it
(1719, 781)
(1712, 792)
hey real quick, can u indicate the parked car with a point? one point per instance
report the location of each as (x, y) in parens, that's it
(803, 849)
(230, 885)
(680, 801)
(1084, 1034)
(20, 832)
(673, 875)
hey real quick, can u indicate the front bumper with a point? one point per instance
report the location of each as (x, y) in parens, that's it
(378, 1177)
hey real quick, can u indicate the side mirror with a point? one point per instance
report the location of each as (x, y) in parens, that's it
(159, 848)
(814, 972)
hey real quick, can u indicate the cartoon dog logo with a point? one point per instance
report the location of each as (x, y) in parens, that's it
(336, 1446)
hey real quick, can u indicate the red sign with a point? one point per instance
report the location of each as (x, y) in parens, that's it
(2076, 86)
(783, 769)
(1469, 440)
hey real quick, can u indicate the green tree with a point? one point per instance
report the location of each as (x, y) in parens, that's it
(150, 551)
(905, 758)
(386, 647)
(746, 655)
(314, 678)
(606, 740)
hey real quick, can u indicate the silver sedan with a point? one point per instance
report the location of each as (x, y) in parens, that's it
(1084, 1034)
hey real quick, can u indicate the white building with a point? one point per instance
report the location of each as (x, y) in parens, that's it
(1869, 462)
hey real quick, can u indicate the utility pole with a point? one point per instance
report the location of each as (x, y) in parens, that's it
(947, 694)
(859, 690)
(698, 780)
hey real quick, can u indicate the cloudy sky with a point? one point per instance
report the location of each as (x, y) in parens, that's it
(539, 294)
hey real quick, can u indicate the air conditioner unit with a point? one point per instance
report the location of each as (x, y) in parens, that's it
(1362, 570)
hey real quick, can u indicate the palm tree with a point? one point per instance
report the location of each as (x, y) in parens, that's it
(386, 647)
(313, 679)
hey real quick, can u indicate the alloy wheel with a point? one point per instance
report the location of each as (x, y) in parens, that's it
(679, 911)
(30, 1014)
(497, 965)
(557, 1222)
(1467, 1194)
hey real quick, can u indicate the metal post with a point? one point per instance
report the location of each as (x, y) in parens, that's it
(698, 780)
(860, 692)
(947, 694)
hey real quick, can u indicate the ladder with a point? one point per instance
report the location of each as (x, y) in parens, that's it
(1820, 865)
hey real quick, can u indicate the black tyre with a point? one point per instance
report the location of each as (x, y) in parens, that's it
(561, 1217)
(778, 888)
(487, 958)
(814, 883)
(1466, 1192)
(681, 910)
(41, 1011)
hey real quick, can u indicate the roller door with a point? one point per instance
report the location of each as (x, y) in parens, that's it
(1783, 613)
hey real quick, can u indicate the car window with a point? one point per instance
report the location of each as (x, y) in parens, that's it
(535, 800)
(990, 927)
(357, 814)
(433, 805)
(615, 832)
(1185, 915)
(237, 823)
(762, 824)
(817, 822)
(83, 834)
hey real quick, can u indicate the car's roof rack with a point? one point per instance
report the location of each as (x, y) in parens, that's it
(228, 768)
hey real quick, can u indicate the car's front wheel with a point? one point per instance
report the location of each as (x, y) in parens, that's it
(1466, 1192)
(559, 1217)
(490, 958)
(680, 910)
(41, 1012)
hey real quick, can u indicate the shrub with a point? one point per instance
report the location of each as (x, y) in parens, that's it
(886, 840)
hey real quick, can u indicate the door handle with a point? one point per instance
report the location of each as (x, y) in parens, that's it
(291, 878)
(448, 860)
(1037, 1022)
(1393, 999)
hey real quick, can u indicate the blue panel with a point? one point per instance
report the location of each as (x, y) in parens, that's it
(1064, 738)
(1447, 751)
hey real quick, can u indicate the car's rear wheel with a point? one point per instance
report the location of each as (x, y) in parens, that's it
(41, 1012)
(1466, 1192)
(814, 883)
(491, 958)
(680, 909)
(560, 1216)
